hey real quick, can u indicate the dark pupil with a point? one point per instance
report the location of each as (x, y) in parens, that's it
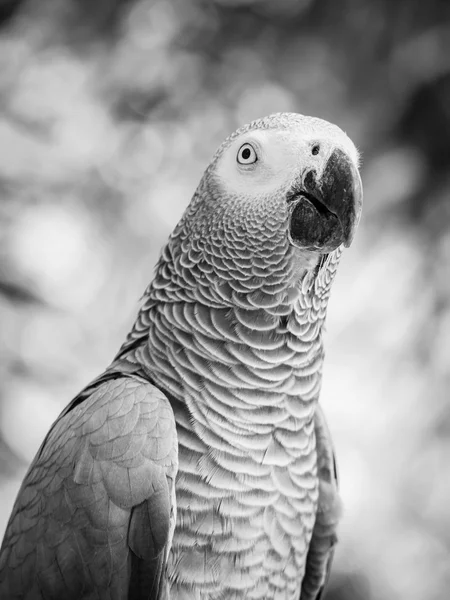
(246, 153)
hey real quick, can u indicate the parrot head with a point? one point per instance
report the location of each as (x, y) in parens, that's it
(308, 166)
(281, 191)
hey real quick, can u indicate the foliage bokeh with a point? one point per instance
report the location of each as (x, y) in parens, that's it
(109, 112)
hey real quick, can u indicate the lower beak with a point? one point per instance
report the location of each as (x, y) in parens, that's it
(325, 212)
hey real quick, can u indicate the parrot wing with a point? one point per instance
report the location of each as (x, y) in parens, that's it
(323, 541)
(95, 513)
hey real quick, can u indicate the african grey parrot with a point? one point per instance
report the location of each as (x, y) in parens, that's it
(199, 465)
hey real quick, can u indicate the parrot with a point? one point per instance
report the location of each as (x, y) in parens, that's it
(199, 464)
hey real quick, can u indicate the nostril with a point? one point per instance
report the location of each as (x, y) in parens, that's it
(315, 149)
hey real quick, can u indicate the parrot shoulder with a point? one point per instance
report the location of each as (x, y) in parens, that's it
(96, 508)
(130, 442)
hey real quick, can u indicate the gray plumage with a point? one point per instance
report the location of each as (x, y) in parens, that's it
(226, 359)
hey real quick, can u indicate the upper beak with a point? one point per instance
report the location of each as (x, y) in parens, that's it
(326, 211)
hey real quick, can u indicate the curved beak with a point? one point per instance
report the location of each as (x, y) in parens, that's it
(325, 211)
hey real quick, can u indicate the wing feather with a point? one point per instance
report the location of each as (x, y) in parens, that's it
(323, 541)
(94, 513)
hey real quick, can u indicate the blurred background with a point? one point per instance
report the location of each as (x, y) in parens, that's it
(110, 111)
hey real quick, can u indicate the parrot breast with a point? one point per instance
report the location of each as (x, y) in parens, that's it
(246, 367)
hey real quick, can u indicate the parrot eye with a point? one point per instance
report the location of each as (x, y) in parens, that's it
(246, 155)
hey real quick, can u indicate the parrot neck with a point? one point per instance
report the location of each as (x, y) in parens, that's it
(242, 369)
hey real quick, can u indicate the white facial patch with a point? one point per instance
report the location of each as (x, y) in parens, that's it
(282, 155)
(277, 161)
